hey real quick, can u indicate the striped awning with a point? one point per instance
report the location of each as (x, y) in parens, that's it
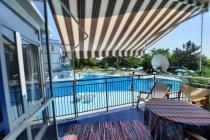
(118, 27)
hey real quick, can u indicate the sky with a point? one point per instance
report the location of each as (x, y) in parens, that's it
(189, 30)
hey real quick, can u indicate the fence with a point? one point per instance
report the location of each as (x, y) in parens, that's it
(73, 98)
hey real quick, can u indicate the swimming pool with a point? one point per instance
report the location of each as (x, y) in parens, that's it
(97, 91)
(93, 82)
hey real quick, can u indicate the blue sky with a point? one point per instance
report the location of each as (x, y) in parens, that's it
(189, 30)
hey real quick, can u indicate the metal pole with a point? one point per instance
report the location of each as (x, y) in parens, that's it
(74, 83)
(107, 102)
(132, 88)
(49, 66)
(201, 43)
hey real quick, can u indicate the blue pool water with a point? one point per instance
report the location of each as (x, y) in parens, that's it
(93, 83)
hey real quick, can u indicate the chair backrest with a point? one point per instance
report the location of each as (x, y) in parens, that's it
(159, 90)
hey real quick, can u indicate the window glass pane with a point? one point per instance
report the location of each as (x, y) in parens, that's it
(12, 68)
(32, 72)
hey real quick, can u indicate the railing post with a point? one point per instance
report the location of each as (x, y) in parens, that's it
(107, 102)
(75, 99)
(132, 88)
(154, 79)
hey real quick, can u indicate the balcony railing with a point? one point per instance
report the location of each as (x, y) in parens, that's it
(74, 98)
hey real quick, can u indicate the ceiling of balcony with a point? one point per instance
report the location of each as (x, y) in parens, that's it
(118, 27)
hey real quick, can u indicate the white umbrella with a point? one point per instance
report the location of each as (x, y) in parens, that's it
(112, 69)
(139, 68)
(123, 68)
(132, 69)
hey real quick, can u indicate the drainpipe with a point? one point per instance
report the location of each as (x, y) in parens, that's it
(49, 66)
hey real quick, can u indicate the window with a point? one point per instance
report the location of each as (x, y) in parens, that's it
(12, 67)
(32, 72)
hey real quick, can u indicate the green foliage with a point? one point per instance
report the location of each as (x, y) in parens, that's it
(187, 57)
(160, 51)
(117, 62)
(133, 62)
(146, 61)
(80, 63)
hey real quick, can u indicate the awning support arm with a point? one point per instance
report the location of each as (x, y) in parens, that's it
(73, 17)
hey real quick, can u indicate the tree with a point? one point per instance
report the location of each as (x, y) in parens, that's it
(160, 51)
(146, 61)
(187, 57)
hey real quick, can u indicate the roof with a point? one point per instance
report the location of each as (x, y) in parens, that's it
(118, 27)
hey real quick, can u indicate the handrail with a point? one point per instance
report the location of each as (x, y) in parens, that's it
(188, 77)
(124, 76)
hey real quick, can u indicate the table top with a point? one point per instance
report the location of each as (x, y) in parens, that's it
(178, 111)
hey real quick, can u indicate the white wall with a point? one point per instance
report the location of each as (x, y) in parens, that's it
(13, 19)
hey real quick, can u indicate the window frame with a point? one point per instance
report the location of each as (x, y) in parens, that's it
(23, 122)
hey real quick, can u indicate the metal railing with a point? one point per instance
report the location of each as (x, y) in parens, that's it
(80, 96)
(73, 98)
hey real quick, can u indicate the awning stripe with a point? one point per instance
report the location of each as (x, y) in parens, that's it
(68, 24)
(111, 26)
(128, 22)
(108, 15)
(158, 37)
(180, 18)
(118, 27)
(117, 24)
(150, 32)
(162, 25)
(133, 27)
(81, 20)
(144, 19)
(152, 14)
(100, 26)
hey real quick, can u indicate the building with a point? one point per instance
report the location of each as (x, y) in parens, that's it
(21, 71)
(56, 54)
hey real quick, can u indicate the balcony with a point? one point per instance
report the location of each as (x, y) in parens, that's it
(112, 99)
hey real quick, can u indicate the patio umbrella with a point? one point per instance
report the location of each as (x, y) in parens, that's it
(139, 68)
(180, 70)
(192, 71)
(123, 68)
(132, 69)
(112, 69)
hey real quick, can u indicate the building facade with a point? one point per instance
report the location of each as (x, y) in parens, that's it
(24, 108)
(56, 54)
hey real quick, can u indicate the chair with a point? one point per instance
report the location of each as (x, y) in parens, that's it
(198, 96)
(159, 90)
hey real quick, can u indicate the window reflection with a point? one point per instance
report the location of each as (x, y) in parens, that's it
(32, 72)
(13, 74)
